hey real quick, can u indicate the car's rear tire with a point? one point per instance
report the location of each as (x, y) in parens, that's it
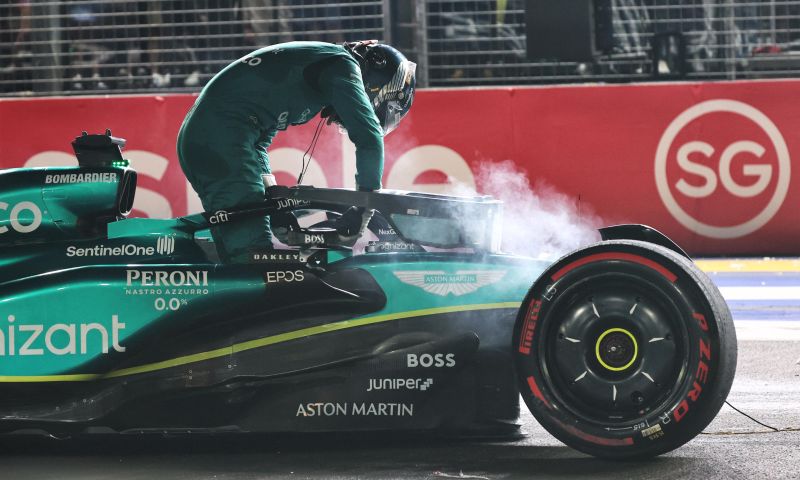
(624, 349)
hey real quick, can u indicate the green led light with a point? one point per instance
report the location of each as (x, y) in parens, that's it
(120, 163)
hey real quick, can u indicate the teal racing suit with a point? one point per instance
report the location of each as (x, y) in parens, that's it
(222, 144)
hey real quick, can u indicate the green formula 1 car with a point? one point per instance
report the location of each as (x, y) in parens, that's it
(620, 349)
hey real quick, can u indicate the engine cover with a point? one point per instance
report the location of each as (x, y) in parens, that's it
(53, 204)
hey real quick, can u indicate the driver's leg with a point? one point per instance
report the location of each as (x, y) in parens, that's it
(226, 175)
(235, 240)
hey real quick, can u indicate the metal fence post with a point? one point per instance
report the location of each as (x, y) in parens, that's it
(421, 40)
(388, 21)
(730, 38)
(772, 23)
(46, 36)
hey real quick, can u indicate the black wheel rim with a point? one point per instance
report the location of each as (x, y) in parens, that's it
(615, 350)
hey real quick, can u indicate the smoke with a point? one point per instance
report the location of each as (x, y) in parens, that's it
(538, 220)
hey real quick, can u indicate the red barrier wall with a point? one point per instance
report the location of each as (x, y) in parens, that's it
(710, 164)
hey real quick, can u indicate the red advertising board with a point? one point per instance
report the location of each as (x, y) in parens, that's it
(709, 164)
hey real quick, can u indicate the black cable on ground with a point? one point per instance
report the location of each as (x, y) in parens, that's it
(774, 430)
(751, 418)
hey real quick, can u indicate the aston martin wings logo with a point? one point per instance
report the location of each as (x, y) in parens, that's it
(442, 283)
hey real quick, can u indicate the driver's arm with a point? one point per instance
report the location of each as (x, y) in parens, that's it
(340, 84)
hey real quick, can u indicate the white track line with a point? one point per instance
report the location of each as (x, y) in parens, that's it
(768, 330)
(761, 293)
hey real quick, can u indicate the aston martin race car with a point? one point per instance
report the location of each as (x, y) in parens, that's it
(122, 325)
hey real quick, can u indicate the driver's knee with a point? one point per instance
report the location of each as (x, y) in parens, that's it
(236, 241)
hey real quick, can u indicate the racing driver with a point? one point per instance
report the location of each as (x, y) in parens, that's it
(366, 87)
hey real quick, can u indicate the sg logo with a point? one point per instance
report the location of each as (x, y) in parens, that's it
(761, 173)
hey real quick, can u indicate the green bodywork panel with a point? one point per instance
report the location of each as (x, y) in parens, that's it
(75, 320)
(42, 204)
(84, 297)
(420, 284)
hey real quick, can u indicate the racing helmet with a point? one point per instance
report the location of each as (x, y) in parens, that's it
(389, 80)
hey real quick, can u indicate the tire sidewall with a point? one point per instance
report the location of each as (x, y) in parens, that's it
(701, 387)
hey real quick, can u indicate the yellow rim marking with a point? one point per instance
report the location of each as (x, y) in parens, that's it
(257, 343)
(635, 349)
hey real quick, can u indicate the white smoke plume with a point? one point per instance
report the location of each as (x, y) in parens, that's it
(538, 221)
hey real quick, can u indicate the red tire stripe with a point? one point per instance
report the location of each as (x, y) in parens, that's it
(606, 442)
(536, 392)
(627, 257)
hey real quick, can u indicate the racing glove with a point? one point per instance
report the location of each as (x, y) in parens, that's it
(353, 223)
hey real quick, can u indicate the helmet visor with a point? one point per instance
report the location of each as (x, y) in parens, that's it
(395, 98)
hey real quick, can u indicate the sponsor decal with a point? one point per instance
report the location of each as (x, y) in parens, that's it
(749, 177)
(307, 239)
(27, 339)
(158, 278)
(16, 223)
(103, 251)
(386, 231)
(158, 282)
(289, 257)
(104, 177)
(284, 276)
(531, 317)
(220, 216)
(392, 247)
(282, 121)
(700, 374)
(251, 61)
(442, 283)
(428, 360)
(165, 245)
(285, 203)
(271, 256)
(171, 287)
(304, 115)
(313, 238)
(399, 384)
(355, 410)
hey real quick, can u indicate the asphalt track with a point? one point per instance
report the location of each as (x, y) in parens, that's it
(764, 296)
